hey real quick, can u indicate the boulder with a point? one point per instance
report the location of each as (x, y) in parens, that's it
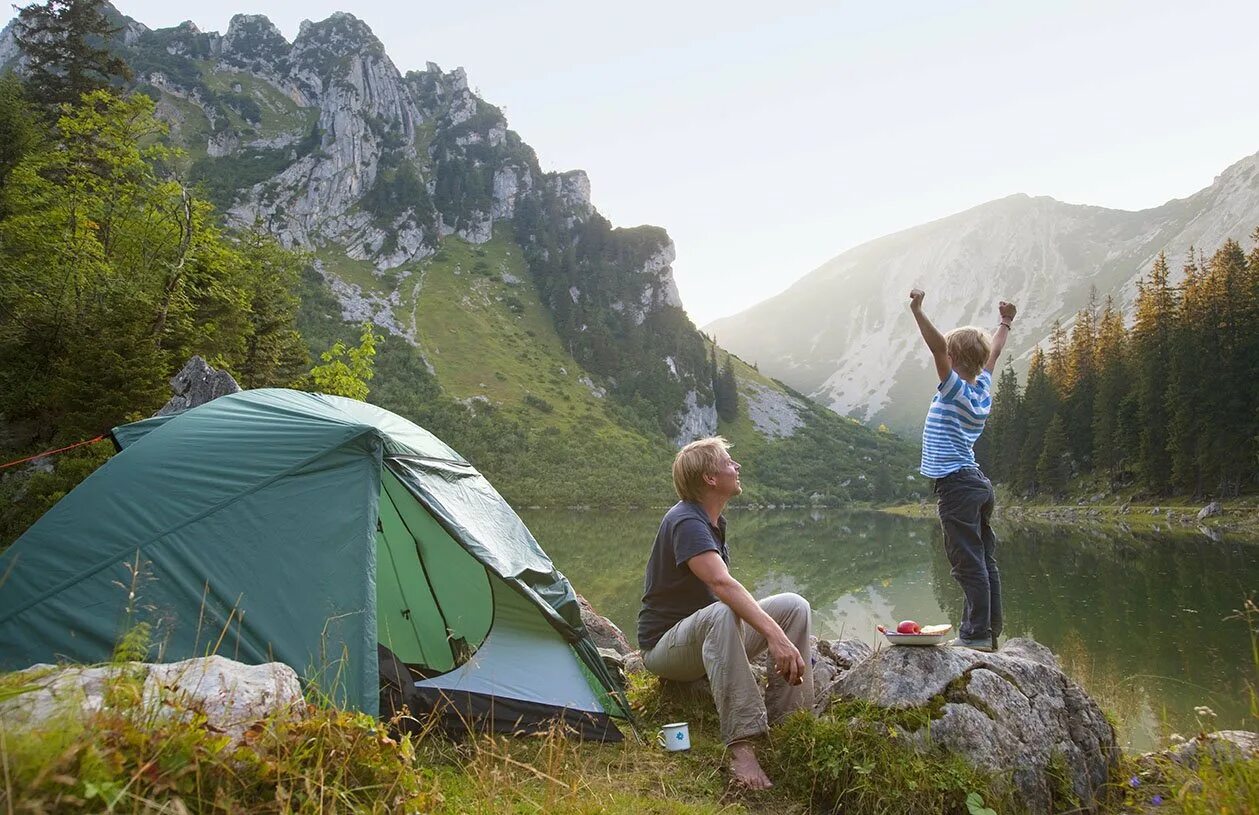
(1209, 510)
(195, 384)
(603, 631)
(232, 696)
(1013, 713)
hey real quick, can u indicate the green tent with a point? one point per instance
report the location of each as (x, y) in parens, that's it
(325, 533)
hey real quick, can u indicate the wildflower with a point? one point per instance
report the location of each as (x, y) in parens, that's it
(1134, 782)
(1156, 800)
(1203, 710)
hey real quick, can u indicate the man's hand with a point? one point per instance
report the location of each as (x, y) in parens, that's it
(915, 299)
(787, 661)
(1007, 310)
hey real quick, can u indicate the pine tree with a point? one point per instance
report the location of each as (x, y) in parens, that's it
(1053, 466)
(1183, 420)
(726, 392)
(1040, 404)
(1152, 335)
(1080, 382)
(1109, 446)
(66, 45)
(1225, 451)
(1056, 362)
(1250, 353)
(1004, 428)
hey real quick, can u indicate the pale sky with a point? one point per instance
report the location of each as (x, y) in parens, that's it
(769, 137)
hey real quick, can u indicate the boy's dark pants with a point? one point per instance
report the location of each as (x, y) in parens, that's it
(965, 502)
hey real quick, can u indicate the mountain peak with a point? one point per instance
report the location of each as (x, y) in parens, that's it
(341, 32)
(254, 37)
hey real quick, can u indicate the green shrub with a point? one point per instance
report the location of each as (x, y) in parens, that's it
(538, 403)
(857, 758)
(126, 759)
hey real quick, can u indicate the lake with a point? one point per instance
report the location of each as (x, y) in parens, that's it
(1142, 620)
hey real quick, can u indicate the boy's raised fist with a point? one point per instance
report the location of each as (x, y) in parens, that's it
(915, 298)
(1007, 310)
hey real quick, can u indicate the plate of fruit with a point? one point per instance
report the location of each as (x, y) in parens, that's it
(908, 632)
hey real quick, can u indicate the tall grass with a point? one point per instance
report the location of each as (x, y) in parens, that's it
(1216, 778)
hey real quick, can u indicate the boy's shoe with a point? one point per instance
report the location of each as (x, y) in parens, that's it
(987, 646)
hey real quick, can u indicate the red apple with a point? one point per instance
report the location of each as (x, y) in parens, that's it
(908, 627)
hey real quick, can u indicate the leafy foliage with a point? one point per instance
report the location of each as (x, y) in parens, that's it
(111, 276)
(346, 371)
(19, 127)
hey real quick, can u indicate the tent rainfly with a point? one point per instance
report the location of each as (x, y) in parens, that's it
(325, 533)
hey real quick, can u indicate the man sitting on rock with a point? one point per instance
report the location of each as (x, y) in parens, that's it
(696, 619)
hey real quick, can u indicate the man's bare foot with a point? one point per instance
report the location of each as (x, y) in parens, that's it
(746, 769)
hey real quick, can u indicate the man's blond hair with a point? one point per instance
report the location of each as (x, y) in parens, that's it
(969, 348)
(693, 462)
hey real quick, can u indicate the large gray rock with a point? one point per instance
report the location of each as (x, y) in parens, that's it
(1210, 510)
(233, 696)
(1013, 713)
(195, 384)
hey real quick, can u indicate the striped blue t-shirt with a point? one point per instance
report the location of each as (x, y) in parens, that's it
(954, 423)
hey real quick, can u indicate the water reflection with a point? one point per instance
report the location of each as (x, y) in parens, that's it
(1140, 619)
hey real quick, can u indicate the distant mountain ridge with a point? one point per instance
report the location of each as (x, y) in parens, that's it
(842, 333)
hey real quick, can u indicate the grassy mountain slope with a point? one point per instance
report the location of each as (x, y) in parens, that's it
(501, 388)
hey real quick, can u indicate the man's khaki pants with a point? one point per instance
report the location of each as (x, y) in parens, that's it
(714, 641)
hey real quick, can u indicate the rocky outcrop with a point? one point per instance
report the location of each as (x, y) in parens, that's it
(1013, 713)
(774, 413)
(195, 384)
(696, 420)
(232, 696)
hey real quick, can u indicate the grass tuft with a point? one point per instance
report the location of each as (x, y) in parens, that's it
(862, 758)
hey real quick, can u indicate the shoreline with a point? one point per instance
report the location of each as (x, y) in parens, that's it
(1236, 515)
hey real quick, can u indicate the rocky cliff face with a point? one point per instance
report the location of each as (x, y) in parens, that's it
(333, 150)
(843, 335)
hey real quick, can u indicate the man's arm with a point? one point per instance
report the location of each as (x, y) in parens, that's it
(933, 338)
(1007, 311)
(710, 568)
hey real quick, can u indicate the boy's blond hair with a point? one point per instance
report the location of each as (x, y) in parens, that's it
(693, 462)
(968, 347)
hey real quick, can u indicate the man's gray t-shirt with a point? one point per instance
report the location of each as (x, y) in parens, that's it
(671, 591)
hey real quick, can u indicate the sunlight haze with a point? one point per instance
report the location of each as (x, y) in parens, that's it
(768, 139)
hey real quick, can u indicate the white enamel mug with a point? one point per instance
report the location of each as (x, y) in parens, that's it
(674, 737)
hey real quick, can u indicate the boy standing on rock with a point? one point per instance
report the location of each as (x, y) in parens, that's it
(964, 359)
